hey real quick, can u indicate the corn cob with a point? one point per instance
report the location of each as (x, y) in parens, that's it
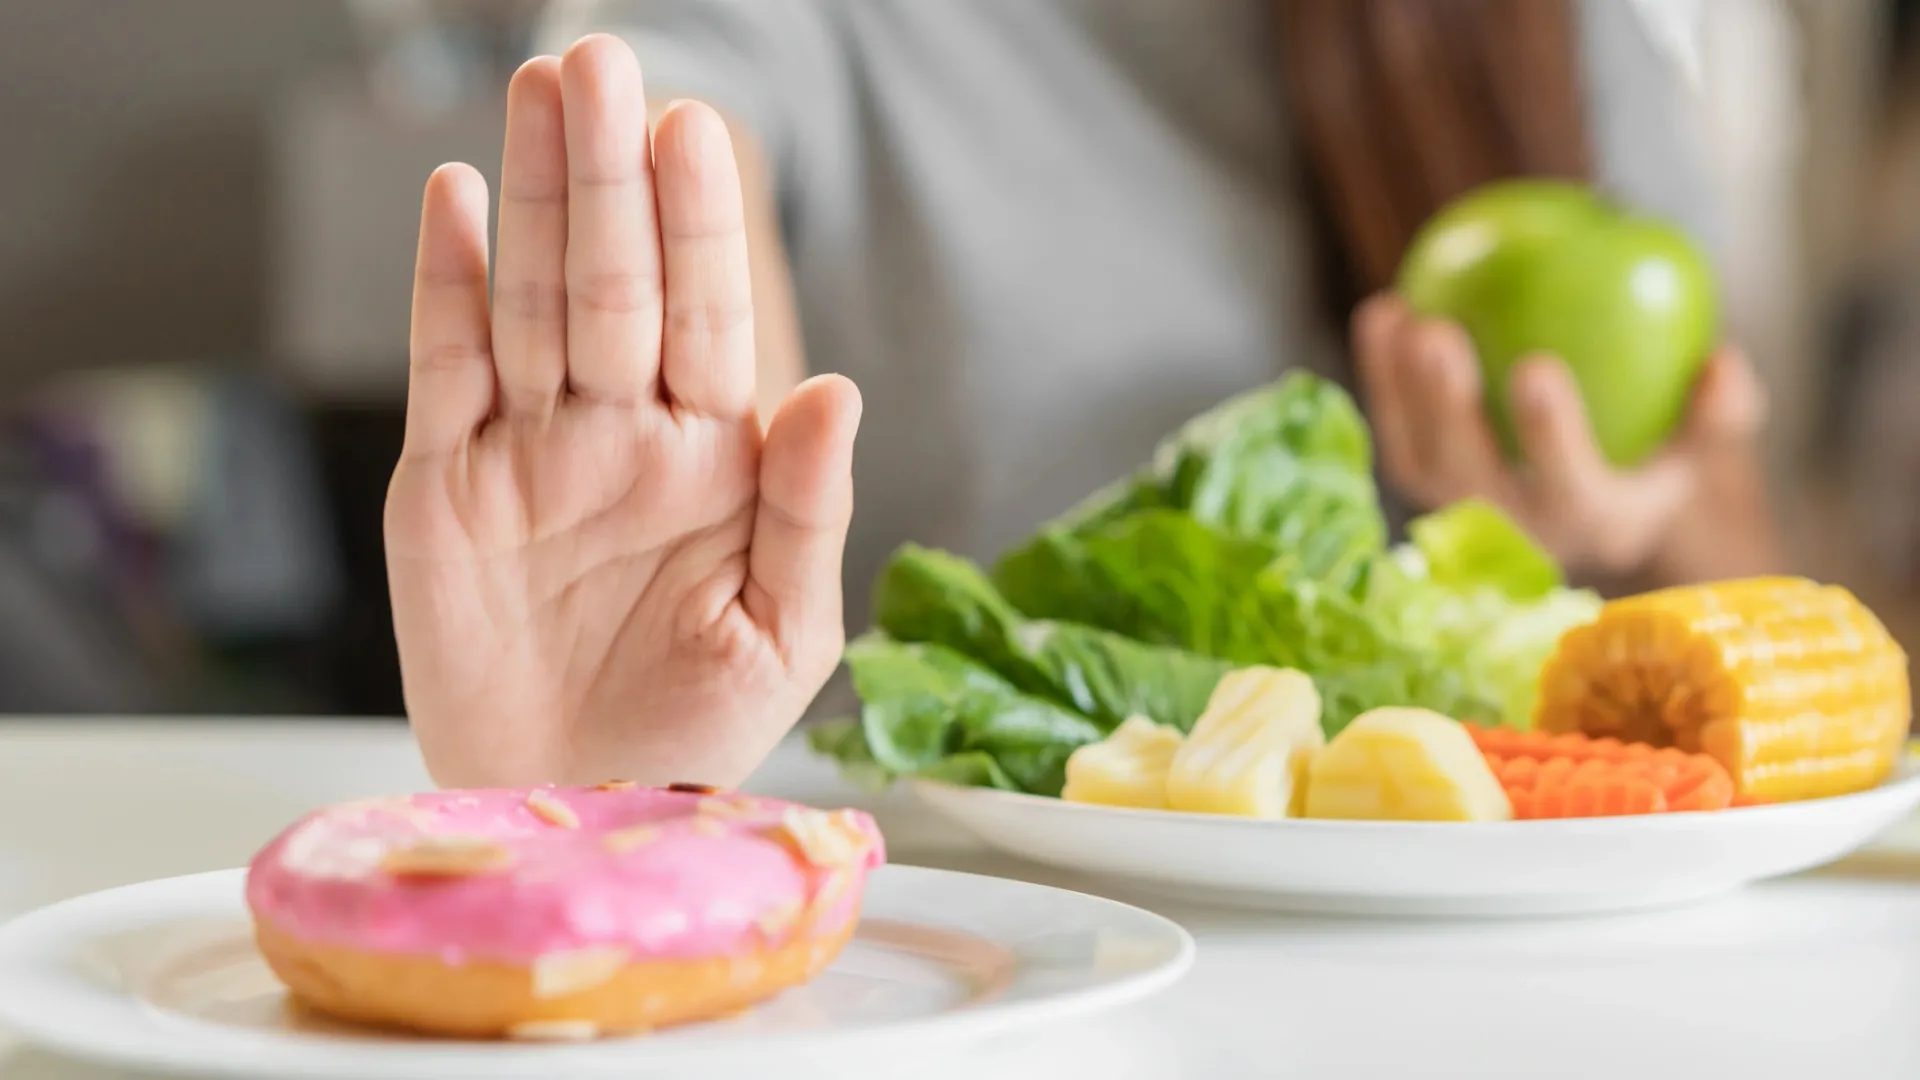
(1571, 775)
(1399, 764)
(1127, 768)
(1795, 688)
(1248, 751)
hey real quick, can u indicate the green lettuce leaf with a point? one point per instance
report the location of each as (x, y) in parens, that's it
(1167, 578)
(1289, 465)
(1474, 591)
(1159, 575)
(843, 740)
(929, 711)
(931, 596)
(1472, 544)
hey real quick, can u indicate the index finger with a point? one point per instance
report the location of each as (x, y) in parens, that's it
(1376, 326)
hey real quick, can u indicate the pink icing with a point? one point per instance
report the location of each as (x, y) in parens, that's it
(699, 889)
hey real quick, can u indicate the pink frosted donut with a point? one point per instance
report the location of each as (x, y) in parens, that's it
(557, 912)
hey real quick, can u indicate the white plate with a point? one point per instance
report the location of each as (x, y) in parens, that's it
(1522, 868)
(164, 976)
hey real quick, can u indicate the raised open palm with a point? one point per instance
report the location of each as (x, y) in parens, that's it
(599, 563)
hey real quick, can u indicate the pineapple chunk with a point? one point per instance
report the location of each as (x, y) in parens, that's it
(1248, 750)
(1127, 768)
(1398, 764)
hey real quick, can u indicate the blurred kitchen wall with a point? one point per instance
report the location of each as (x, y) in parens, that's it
(164, 541)
(135, 180)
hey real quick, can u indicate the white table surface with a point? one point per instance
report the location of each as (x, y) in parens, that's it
(1812, 978)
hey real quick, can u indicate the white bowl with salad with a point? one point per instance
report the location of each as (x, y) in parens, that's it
(1218, 677)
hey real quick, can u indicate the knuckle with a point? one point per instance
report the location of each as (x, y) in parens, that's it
(539, 197)
(535, 301)
(615, 292)
(454, 280)
(450, 356)
(727, 229)
(708, 324)
(529, 400)
(610, 178)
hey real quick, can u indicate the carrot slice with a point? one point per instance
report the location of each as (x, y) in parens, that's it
(1571, 775)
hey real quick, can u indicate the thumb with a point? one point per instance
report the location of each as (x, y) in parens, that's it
(800, 527)
(1729, 404)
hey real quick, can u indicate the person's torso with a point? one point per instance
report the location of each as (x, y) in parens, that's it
(1048, 233)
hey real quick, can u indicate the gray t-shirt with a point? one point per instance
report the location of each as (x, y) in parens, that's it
(1039, 234)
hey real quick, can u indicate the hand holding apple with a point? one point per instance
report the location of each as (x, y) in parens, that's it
(1437, 444)
(1543, 266)
(1555, 353)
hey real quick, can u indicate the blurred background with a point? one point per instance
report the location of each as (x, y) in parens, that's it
(207, 214)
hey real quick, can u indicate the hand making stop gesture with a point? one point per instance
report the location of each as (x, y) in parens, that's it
(600, 563)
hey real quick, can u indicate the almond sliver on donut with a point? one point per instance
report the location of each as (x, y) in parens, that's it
(822, 839)
(831, 891)
(778, 919)
(624, 840)
(731, 807)
(447, 856)
(559, 974)
(551, 810)
(554, 1031)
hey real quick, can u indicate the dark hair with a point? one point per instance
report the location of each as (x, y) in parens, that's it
(1399, 106)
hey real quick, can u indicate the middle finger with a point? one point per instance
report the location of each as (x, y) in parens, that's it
(614, 300)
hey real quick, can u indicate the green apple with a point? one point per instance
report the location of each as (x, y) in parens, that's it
(1540, 266)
